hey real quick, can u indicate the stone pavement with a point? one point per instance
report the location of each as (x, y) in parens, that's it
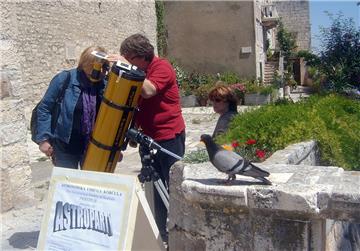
(20, 228)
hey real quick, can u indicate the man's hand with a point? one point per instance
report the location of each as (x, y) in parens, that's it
(45, 147)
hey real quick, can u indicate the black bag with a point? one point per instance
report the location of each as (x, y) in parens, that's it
(54, 113)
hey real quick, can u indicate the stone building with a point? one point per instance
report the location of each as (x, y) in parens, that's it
(220, 36)
(39, 39)
(296, 18)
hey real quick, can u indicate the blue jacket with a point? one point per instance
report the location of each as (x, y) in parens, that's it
(64, 123)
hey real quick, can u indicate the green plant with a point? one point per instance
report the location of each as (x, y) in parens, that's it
(230, 77)
(181, 74)
(250, 150)
(197, 156)
(332, 120)
(286, 40)
(202, 91)
(277, 80)
(340, 56)
(269, 54)
(160, 28)
(289, 79)
(198, 79)
(310, 58)
(251, 87)
(201, 84)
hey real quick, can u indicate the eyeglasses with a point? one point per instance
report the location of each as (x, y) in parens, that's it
(217, 100)
(132, 58)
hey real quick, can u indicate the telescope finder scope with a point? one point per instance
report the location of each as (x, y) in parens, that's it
(101, 59)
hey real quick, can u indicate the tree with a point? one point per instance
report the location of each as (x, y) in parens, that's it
(340, 56)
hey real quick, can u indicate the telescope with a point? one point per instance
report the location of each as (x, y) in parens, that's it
(113, 125)
(115, 114)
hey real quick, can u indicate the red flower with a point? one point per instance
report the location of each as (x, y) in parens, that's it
(260, 154)
(235, 144)
(251, 142)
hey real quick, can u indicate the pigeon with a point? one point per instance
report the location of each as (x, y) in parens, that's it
(231, 163)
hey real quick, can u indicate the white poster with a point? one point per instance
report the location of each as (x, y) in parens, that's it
(88, 211)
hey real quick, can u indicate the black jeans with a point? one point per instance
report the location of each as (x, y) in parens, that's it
(162, 164)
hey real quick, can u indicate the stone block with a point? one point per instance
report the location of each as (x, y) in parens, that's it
(306, 153)
(5, 86)
(22, 193)
(13, 133)
(188, 101)
(257, 99)
(7, 200)
(14, 155)
(11, 111)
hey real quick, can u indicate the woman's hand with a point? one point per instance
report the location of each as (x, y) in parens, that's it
(45, 147)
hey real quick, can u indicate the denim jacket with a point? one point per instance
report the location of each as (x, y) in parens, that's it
(64, 123)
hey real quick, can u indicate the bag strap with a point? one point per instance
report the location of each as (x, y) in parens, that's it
(64, 87)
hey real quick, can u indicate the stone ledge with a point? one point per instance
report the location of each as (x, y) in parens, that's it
(209, 109)
(300, 153)
(311, 191)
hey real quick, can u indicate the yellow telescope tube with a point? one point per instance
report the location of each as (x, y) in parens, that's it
(115, 114)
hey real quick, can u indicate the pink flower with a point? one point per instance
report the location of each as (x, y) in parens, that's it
(238, 87)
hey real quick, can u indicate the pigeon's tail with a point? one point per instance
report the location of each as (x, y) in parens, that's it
(264, 180)
(254, 171)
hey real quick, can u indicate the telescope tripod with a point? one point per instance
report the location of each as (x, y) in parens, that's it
(148, 172)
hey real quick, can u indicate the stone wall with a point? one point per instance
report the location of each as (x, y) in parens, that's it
(15, 186)
(212, 36)
(306, 208)
(304, 153)
(39, 39)
(295, 15)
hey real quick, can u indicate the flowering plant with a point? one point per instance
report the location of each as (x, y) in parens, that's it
(239, 90)
(249, 150)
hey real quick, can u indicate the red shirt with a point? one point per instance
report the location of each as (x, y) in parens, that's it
(160, 116)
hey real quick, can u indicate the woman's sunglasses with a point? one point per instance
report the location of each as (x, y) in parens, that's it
(217, 100)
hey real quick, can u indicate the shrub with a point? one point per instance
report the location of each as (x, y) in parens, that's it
(257, 88)
(332, 120)
(230, 77)
(196, 156)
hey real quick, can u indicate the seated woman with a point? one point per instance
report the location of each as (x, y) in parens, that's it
(224, 103)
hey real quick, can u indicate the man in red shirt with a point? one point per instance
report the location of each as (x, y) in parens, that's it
(160, 114)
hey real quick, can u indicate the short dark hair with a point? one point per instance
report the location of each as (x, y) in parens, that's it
(138, 45)
(224, 92)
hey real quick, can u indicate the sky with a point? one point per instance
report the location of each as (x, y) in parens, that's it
(349, 8)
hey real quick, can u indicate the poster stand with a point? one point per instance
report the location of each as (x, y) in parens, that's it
(89, 210)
